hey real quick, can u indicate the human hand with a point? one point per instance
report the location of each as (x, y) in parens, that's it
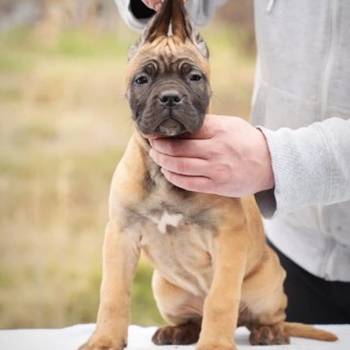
(153, 4)
(227, 156)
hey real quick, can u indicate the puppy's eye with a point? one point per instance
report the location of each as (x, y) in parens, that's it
(141, 79)
(195, 76)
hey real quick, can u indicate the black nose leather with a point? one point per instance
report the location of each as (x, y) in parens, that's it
(170, 98)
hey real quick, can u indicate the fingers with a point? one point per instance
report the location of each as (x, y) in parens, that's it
(181, 147)
(189, 183)
(154, 4)
(158, 5)
(207, 131)
(179, 165)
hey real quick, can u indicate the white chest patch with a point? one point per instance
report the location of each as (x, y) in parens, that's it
(166, 220)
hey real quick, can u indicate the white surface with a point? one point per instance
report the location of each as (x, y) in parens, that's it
(140, 339)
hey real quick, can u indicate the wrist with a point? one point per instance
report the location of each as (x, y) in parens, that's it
(267, 180)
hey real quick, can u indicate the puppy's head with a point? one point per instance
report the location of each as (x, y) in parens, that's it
(168, 77)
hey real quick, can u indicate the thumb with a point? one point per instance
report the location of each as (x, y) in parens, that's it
(207, 130)
(154, 4)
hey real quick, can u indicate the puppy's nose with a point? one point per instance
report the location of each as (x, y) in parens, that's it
(170, 98)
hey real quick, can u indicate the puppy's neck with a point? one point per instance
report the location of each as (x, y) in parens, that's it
(142, 142)
(153, 172)
(154, 178)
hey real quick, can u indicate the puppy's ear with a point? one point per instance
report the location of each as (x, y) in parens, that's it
(157, 26)
(201, 44)
(133, 49)
(183, 28)
(172, 19)
(180, 23)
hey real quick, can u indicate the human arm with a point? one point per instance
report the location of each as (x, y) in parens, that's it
(286, 169)
(311, 166)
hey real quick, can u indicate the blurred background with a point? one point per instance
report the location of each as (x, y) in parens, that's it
(64, 123)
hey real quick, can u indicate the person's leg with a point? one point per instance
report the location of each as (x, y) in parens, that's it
(312, 299)
(340, 293)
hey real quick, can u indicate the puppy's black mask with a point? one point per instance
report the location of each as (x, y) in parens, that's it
(169, 100)
(169, 90)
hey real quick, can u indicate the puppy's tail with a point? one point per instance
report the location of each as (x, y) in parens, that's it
(300, 330)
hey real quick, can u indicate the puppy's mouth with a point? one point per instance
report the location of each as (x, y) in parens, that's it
(157, 120)
(170, 128)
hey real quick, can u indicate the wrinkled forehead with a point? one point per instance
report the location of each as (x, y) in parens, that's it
(167, 54)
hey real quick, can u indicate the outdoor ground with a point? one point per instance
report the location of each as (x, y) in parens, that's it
(64, 123)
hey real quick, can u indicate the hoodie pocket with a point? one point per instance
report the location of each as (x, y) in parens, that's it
(336, 218)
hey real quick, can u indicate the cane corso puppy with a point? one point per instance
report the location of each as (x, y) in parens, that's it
(213, 268)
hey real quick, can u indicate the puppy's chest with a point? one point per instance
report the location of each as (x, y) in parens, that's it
(178, 236)
(168, 209)
(166, 220)
(173, 215)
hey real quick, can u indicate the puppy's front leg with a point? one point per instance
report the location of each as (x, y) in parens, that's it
(120, 256)
(221, 307)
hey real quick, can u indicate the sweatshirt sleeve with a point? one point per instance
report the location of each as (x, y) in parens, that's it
(311, 166)
(136, 14)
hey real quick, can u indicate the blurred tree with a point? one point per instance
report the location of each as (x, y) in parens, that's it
(241, 15)
(101, 14)
(19, 12)
(58, 14)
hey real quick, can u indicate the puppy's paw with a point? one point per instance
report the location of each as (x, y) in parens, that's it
(103, 343)
(268, 335)
(184, 334)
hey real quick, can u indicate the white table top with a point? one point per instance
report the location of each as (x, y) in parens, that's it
(140, 339)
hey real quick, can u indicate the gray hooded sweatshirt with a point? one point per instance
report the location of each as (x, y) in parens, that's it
(301, 102)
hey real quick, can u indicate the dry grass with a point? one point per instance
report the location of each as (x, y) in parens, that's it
(63, 126)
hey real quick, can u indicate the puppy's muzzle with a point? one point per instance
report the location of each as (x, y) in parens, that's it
(170, 98)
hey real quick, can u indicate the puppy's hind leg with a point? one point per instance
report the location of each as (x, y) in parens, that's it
(181, 309)
(265, 302)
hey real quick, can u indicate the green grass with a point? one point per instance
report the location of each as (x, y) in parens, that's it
(64, 124)
(78, 44)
